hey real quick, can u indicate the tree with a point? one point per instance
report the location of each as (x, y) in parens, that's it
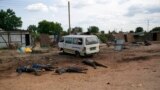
(157, 29)
(49, 27)
(102, 37)
(63, 33)
(45, 27)
(93, 29)
(77, 30)
(139, 29)
(9, 20)
(32, 28)
(113, 32)
(57, 28)
(102, 32)
(131, 31)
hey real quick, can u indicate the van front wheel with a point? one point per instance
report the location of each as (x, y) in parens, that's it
(77, 54)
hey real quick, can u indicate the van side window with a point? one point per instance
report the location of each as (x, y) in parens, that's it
(77, 41)
(68, 40)
(91, 40)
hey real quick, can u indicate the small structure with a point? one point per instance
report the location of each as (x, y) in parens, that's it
(18, 37)
(45, 40)
(139, 36)
(155, 36)
(128, 37)
(119, 44)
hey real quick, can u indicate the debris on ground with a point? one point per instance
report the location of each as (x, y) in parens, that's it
(24, 50)
(93, 63)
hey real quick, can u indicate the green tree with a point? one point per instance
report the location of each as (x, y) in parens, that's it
(63, 33)
(93, 29)
(57, 28)
(131, 31)
(157, 29)
(49, 27)
(32, 28)
(9, 20)
(102, 37)
(76, 30)
(102, 32)
(139, 29)
(45, 27)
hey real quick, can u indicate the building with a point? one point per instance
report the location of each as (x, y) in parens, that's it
(155, 36)
(128, 37)
(139, 36)
(18, 37)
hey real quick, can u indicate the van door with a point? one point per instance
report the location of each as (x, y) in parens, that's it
(68, 45)
(77, 44)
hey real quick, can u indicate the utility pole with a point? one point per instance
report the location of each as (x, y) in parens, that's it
(147, 25)
(69, 19)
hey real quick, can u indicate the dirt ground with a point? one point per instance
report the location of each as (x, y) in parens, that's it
(135, 68)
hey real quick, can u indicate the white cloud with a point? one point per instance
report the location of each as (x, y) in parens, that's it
(52, 8)
(37, 7)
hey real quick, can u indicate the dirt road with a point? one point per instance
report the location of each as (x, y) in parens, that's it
(136, 68)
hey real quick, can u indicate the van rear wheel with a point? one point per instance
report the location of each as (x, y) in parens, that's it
(77, 54)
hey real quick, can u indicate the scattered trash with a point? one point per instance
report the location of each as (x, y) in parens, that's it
(71, 69)
(93, 63)
(28, 50)
(24, 50)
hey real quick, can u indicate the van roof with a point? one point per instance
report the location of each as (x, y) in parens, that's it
(79, 36)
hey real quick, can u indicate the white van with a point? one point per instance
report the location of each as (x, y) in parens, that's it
(79, 44)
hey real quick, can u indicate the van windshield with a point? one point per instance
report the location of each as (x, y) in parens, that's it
(91, 40)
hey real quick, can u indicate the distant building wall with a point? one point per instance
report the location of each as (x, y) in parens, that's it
(155, 36)
(128, 37)
(158, 36)
(118, 36)
(18, 37)
(45, 40)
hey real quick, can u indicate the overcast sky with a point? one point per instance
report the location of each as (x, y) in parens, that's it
(111, 15)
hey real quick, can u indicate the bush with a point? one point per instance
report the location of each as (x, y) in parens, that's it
(102, 38)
